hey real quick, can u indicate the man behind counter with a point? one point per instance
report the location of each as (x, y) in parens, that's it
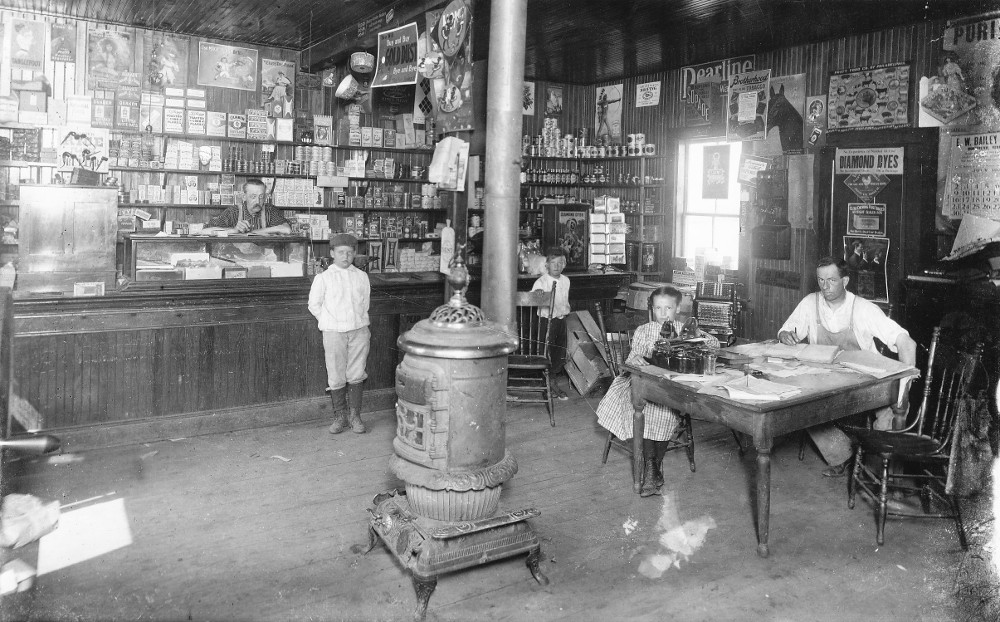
(251, 215)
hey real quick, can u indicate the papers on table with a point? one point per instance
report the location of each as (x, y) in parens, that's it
(782, 369)
(749, 388)
(872, 363)
(801, 351)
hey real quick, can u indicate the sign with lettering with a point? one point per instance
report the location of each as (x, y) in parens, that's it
(884, 160)
(397, 57)
(971, 165)
(748, 97)
(703, 91)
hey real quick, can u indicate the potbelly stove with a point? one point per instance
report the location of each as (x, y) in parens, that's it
(450, 450)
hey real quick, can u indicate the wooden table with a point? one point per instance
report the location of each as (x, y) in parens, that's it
(825, 397)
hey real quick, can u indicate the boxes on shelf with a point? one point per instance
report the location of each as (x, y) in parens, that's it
(604, 203)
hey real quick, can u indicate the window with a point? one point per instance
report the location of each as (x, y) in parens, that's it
(708, 227)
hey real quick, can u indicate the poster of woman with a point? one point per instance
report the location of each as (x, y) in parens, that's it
(109, 53)
(572, 237)
(27, 46)
(227, 66)
(277, 86)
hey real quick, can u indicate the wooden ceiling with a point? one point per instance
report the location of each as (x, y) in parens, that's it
(579, 41)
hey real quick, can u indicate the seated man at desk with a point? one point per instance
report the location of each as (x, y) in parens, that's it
(835, 316)
(253, 214)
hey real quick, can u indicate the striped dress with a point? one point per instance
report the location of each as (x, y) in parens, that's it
(614, 413)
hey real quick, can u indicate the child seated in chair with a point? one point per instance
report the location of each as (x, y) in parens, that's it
(614, 413)
(555, 263)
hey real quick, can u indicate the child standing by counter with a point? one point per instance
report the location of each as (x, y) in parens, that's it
(339, 298)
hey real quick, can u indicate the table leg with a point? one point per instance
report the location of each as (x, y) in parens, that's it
(763, 497)
(638, 428)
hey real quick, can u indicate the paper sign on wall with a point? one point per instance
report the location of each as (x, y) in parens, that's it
(647, 94)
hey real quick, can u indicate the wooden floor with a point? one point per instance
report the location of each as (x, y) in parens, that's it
(266, 524)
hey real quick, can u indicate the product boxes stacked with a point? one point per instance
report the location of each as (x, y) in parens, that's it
(314, 226)
(607, 232)
(412, 260)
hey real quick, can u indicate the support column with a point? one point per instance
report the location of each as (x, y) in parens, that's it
(508, 19)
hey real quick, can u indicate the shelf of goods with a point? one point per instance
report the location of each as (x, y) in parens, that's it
(639, 184)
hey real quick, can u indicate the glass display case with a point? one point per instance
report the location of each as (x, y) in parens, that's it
(158, 258)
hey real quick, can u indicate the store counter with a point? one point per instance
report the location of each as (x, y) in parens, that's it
(146, 364)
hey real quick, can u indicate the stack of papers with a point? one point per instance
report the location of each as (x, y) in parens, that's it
(872, 363)
(750, 388)
(801, 351)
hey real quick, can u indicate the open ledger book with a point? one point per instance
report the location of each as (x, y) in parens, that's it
(802, 351)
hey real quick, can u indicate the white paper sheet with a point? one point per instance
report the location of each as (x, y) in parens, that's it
(84, 534)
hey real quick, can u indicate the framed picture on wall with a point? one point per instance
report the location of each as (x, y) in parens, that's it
(869, 98)
(227, 66)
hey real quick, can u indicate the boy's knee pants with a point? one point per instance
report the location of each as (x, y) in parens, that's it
(346, 355)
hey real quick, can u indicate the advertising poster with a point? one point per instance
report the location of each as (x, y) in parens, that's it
(277, 87)
(786, 101)
(715, 180)
(970, 163)
(109, 53)
(704, 89)
(608, 117)
(647, 94)
(528, 99)
(867, 257)
(815, 131)
(869, 98)
(964, 91)
(63, 37)
(168, 61)
(572, 237)
(866, 219)
(448, 66)
(748, 93)
(396, 62)
(27, 45)
(227, 66)
(749, 167)
(553, 101)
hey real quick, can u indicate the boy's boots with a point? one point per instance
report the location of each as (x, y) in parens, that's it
(338, 398)
(354, 403)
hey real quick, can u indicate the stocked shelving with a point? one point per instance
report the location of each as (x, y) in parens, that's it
(640, 183)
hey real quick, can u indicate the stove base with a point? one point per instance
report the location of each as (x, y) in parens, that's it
(428, 548)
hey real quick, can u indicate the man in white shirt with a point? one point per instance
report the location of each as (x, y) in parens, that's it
(834, 316)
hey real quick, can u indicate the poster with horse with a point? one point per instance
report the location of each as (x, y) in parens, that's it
(786, 102)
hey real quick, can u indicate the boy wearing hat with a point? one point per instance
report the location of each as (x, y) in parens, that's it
(339, 298)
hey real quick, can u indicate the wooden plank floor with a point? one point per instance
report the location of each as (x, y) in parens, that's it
(223, 530)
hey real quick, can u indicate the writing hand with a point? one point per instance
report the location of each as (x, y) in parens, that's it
(243, 226)
(787, 338)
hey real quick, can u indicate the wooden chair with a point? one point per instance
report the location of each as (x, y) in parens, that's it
(915, 459)
(528, 366)
(618, 344)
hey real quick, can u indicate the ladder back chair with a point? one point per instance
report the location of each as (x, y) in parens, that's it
(528, 366)
(916, 459)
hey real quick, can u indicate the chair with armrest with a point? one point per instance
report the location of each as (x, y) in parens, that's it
(916, 458)
(528, 366)
(618, 344)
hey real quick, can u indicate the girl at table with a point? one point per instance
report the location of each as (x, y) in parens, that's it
(614, 413)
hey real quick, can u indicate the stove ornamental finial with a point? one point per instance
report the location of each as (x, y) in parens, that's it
(458, 312)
